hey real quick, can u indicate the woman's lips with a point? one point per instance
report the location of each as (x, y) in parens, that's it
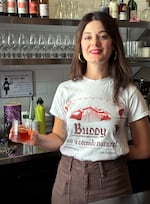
(95, 51)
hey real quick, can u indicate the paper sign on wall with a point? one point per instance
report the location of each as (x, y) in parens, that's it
(16, 84)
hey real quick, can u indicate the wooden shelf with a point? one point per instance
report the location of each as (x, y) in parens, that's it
(37, 21)
(67, 22)
(33, 61)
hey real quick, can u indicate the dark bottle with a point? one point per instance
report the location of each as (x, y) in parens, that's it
(23, 8)
(132, 10)
(33, 8)
(11, 7)
(3, 11)
(122, 10)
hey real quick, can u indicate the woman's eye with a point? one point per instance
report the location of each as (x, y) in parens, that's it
(103, 37)
(87, 38)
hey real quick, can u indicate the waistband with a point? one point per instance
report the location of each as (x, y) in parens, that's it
(69, 163)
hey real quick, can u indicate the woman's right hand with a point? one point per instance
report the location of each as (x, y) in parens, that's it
(23, 135)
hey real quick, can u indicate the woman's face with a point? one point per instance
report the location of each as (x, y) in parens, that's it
(96, 44)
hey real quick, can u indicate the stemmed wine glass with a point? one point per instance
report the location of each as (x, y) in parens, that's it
(51, 47)
(41, 45)
(33, 42)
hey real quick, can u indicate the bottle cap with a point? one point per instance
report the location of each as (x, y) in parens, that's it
(40, 101)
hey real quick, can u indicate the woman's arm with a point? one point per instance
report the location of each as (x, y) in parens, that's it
(54, 140)
(51, 141)
(140, 133)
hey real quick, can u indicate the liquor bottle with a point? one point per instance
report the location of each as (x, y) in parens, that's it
(44, 8)
(33, 8)
(132, 10)
(104, 6)
(3, 8)
(23, 8)
(11, 7)
(122, 10)
(114, 9)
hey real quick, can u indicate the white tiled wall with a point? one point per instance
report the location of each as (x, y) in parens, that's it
(47, 77)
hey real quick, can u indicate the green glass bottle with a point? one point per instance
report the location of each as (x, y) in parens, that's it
(132, 10)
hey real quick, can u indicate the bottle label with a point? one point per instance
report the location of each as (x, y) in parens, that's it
(22, 7)
(11, 6)
(123, 16)
(2, 6)
(43, 9)
(33, 8)
(133, 14)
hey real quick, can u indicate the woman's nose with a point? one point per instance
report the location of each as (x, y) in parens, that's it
(96, 41)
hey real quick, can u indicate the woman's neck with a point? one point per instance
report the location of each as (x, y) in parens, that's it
(95, 73)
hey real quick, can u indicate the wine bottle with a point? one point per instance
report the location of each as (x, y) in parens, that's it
(43, 8)
(132, 10)
(3, 8)
(114, 9)
(33, 8)
(11, 8)
(23, 8)
(122, 10)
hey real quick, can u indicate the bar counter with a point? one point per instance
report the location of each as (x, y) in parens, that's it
(18, 156)
(28, 178)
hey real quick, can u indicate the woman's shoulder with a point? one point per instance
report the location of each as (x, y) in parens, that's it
(130, 90)
(65, 83)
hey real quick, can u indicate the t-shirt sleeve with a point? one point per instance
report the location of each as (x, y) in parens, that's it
(137, 106)
(58, 104)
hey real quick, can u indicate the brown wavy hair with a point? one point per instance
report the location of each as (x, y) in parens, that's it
(119, 68)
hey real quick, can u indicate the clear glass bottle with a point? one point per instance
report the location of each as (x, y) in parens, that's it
(145, 14)
(113, 9)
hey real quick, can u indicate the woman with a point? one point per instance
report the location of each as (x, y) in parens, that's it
(92, 113)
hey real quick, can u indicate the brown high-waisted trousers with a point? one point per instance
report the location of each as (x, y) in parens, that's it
(82, 182)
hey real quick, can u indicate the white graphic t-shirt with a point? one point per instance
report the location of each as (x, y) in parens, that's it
(96, 127)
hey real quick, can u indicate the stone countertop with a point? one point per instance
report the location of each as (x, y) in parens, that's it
(136, 198)
(16, 155)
